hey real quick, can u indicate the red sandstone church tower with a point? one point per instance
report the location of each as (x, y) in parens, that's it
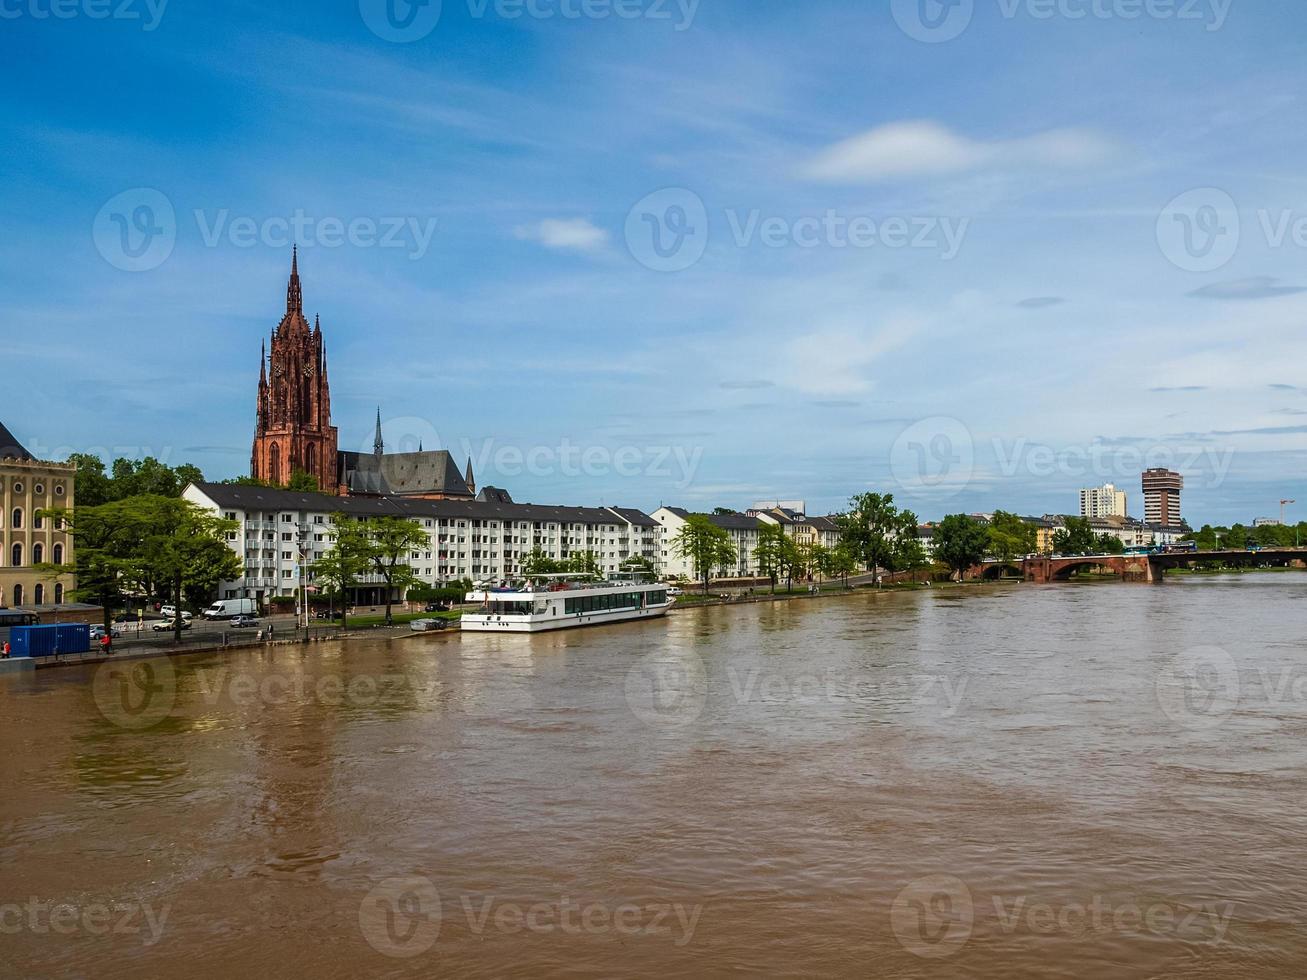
(293, 431)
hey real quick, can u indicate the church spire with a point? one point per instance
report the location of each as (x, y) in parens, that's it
(378, 447)
(468, 479)
(263, 365)
(294, 297)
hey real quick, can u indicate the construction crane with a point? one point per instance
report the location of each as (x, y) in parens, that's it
(1283, 503)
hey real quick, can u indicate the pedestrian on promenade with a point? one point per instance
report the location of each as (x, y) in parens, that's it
(106, 644)
(6, 650)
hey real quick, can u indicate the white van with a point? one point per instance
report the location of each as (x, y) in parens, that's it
(227, 608)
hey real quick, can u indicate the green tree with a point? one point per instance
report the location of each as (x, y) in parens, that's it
(104, 536)
(870, 528)
(705, 545)
(93, 485)
(1010, 537)
(769, 552)
(843, 562)
(391, 540)
(345, 562)
(1078, 538)
(184, 548)
(539, 563)
(909, 553)
(960, 542)
(792, 561)
(582, 563)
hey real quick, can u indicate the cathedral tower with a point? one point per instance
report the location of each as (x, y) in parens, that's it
(293, 431)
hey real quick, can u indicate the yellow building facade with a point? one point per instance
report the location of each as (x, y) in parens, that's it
(28, 539)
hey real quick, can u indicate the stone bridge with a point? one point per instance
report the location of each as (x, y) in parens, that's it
(1131, 568)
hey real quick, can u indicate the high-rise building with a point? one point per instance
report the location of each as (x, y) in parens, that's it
(1104, 501)
(1162, 496)
(293, 433)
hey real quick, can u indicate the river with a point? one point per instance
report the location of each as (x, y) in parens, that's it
(1005, 781)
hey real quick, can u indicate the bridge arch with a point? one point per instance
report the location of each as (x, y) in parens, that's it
(1064, 571)
(997, 570)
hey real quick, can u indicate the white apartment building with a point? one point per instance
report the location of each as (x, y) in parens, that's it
(482, 540)
(742, 529)
(1104, 501)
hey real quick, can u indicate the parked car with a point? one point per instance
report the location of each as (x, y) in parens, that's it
(98, 631)
(226, 608)
(130, 617)
(243, 622)
(673, 590)
(427, 625)
(165, 625)
(170, 612)
(436, 607)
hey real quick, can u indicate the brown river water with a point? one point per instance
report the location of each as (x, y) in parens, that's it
(1007, 781)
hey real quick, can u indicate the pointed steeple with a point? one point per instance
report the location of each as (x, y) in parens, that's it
(294, 296)
(263, 365)
(317, 328)
(468, 478)
(378, 447)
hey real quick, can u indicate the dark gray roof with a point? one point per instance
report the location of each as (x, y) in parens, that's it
(237, 496)
(433, 471)
(494, 495)
(824, 523)
(11, 448)
(637, 517)
(735, 522)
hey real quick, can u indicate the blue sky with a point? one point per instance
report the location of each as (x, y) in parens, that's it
(977, 271)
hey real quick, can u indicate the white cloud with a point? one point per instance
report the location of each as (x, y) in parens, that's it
(926, 148)
(577, 234)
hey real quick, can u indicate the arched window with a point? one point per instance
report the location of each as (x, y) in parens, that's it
(58, 554)
(16, 519)
(18, 595)
(38, 595)
(311, 460)
(16, 555)
(38, 521)
(58, 593)
(274, 464)
(38, 554)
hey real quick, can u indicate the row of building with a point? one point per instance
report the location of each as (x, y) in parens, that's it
(1161, 490)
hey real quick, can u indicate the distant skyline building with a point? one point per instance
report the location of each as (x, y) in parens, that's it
(1162, 496)
(1104, 501)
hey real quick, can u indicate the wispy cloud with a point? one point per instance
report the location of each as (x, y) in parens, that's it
(924, 148)
(1257, 287)
(1041, 302)
(573, 234)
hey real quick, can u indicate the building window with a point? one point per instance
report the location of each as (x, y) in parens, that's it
(16, 519)
(38, 594)
(38, 554)
(18, 595)
(58, 591)
(39, 489)
(58, 489)
(18, 488)
(16, 555)
(38, 521)
(58, 554)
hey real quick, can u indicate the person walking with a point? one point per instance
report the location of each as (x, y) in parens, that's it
(6, 651)
(106, 644)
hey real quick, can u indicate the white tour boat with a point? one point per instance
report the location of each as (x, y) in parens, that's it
(559, 602)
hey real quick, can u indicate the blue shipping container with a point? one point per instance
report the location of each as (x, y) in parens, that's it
(74, 637)
(33, 641)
